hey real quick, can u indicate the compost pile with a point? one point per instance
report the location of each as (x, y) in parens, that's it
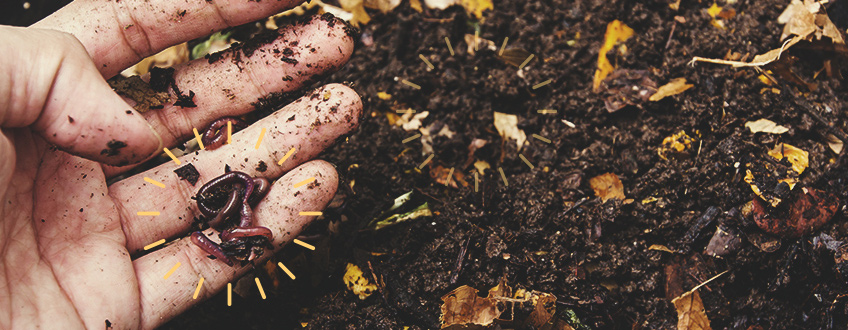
(606, 183)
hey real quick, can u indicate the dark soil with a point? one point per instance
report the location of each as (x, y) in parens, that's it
(546, 230)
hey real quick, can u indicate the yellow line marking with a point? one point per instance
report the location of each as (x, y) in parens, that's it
(476, 39)
(503, 46)
(304, 182)
(476, 182)
(411, 138)
(229, 294)
(199, 140)
(526, 161)
(311, 213)
(304, 244)
(154, 182)
(541, 138)
(503, 176)
(450, 176)
(430, 65)
(259, 285)
(229, 132)
(288, 154)
(173, 269)
(447, 41)
(154, 244)
(526, 61)
(410, 84)
(261, 135)
(153, 213)
(286, 270)
(542, 83)
(546, 111)
(426, 161)
(197, 290)
(174, 158)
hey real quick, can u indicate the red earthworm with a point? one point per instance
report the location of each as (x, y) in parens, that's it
(210, 247)
(242, 232)
(216, 134)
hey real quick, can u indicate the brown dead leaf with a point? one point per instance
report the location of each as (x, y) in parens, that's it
(543, 312)
(463, 306)
(657, 247)
(690, 312)
(719, 14)
(616, 32)
(440, 174)
(674, 87)
(808, 19)
(607, 186)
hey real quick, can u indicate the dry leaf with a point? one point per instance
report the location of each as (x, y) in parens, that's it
(507, 126)
(809, 20)
(543, 312)
(514, 56)
(674, 87)
(616, 32)
(766, 126)
(799, 159)
(357, 8)
(476, 7)
(384, 96)
(834, 143)
(440, 174)
(676, 146)
(411, 121)
(416, 4)
(384, 6)
(607, 186)
(690, 312)
(463, 306)
(167, 58)
(482, 166)
(357, 283)
(719, 14)
(440, 4)
(470, 40)
(657, 247)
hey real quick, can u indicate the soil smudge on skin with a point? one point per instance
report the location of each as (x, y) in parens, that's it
(188, 173)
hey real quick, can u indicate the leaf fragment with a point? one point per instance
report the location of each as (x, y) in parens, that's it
(799, 159)
(357, 283)
(674, 87)
(507, 126)
(766, 126)
(607, 186)
(690, 312)
(616, 32)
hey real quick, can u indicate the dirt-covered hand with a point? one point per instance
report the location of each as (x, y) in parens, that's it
(72, 247)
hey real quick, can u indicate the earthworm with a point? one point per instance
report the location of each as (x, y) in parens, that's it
(244, 192)
(210, 247)
(216, 134)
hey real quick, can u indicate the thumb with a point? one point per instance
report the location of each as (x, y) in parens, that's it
(52, 85)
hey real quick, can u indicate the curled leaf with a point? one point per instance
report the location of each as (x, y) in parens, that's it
(616, 32)
(357, 283)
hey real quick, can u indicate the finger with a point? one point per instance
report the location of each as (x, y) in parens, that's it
(309, 125)
(118, 34)
(279, 211)
(232, 84)
(61, 94)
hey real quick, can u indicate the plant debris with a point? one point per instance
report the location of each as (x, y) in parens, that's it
(188, 173)
(616, 32)
(507, 126)
(766, 126)
(674, 87)
(357, 283)
(607, 186)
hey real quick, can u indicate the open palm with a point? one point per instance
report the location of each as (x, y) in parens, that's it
(72, 247)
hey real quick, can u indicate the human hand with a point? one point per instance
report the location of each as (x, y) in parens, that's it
(69, 244)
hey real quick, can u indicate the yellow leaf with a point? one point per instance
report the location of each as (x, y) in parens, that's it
(384, 96)
(657, 247)
(799, 159)
(476, 7)
(616, 32)
(607, 186)
(676, 145)
(416, 4)
(690, 312)
(674, 87)
(357, 283)
(357, 8)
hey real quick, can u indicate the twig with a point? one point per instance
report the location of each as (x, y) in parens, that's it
(459, 261)
(738, 64)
